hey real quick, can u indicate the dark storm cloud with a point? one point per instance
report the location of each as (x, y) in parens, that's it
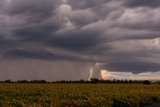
(33, 11)
(21, 53)
(141, 37)
(40, 55)
(83, 4)
(140, 3)
(107, 31)
(75, 41)
(31, 6)
(135, 67)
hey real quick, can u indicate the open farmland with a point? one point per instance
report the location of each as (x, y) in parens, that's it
(73, 95)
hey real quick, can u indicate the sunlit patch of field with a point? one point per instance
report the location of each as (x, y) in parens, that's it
(78, 95)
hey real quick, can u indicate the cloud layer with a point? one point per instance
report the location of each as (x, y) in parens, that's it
(122, 35)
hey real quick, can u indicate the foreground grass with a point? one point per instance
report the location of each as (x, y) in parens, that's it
(81, 95)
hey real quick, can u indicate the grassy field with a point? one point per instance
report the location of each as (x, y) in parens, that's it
(78, 95)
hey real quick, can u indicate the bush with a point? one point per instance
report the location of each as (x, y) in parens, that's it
(146, 82)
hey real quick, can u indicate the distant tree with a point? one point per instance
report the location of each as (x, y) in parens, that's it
(81, 81)
(158, 82)
(95, 80)
(43, 81)
(146, 82)
(131, 81)
(126, 81)
(38, 81)
(8, 81)
(102, 81)
(22, 81)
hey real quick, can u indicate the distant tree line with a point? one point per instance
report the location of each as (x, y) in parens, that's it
(92, 81)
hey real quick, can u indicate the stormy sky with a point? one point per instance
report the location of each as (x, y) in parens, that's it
(62, 39)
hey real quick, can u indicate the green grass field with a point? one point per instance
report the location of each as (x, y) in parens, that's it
(78, 95)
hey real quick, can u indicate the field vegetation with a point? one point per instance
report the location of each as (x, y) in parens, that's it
(78, 95)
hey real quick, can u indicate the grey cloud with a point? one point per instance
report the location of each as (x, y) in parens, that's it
(135, 67)
(140, 36)
(94, 30)
(31, 6)
(145, 3)
(76, 41)
(34, 54)
(83, 17)
(41, 54)
(83, 4)
(32, 11)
